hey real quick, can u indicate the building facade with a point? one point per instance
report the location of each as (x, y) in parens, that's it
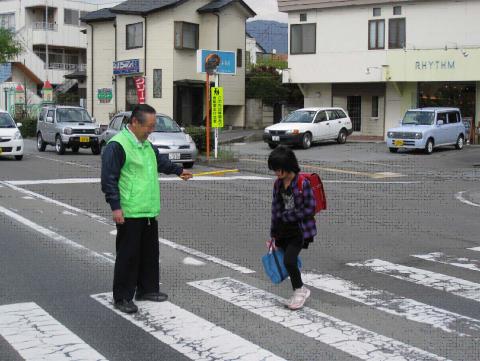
(155, 44)
(378, 58)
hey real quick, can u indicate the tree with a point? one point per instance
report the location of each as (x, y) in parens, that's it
(10, 47)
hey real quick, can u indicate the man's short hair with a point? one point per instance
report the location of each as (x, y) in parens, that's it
(140, 111)
(283, 158)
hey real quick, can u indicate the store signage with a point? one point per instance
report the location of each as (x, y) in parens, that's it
(124, 67)
(140, 86)
(435, 65)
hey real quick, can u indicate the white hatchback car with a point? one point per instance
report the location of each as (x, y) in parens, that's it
(11, 141)
(308, 125)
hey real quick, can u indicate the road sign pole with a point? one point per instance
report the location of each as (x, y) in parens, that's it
(216, 129)
(207, 107)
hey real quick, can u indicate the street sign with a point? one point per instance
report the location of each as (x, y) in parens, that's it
(217, 107)
(228, 61)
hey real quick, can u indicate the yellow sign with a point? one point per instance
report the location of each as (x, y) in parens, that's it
(217, 107)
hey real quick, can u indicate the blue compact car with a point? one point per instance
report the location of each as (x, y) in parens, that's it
(428, 128)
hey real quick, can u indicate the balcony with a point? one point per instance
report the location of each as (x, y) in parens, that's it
(68, 67)
(44, 26)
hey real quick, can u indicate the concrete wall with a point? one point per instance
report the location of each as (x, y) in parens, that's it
(317, 95)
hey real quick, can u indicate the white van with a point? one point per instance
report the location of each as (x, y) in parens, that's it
(11, 141)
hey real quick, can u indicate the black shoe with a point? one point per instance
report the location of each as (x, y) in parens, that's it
(155, 297)
(126, 306)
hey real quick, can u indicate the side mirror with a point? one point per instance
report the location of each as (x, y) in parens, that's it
(49, 119)
(440, 122)
(19, 125)
(182, 129)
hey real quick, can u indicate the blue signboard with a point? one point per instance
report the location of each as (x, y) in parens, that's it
(123, 67)
(228, 61)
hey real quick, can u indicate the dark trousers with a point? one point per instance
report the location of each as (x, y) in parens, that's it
(291, 248)
(136, 265)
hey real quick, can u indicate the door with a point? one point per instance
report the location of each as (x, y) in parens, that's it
(453, 127)
(49, 135)
(354, 109)
(441, 130)
(333, 126)
(320, 126)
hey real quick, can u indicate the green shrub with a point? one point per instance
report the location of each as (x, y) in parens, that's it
(199, 136)
(29, 126)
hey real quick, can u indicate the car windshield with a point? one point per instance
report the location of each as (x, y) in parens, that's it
(418, 118)
(73, 115)
(6, 121)
(299, 116)
(166, 125)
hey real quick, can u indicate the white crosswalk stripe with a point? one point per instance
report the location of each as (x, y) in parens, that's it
(393, 304)
(341, 335)
(194, 337)
(438, 281)
(36, 335)
(440, 257)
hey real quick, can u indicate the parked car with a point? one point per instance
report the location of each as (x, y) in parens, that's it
(11, 141)
(167, 137)
(67, 127)
(428, 128)
(309, 125)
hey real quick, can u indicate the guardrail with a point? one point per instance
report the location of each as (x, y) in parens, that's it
(41, 25)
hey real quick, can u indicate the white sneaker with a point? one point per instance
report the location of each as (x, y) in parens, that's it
(298, 299)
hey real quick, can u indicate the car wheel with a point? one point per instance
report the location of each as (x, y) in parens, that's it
(96, 149)
(342, 137)
(393, 150)
(19, 157)
(188, 165)
(429, 146)
(41, 145)
(272, 145)
(59, 146)
(460, 142)
(75, 149)
(306, 141)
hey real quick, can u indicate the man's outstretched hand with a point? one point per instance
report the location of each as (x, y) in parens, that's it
(186, 175)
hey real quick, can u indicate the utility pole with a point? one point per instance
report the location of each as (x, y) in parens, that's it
(46, 40)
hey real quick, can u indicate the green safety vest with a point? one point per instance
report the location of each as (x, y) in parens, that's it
(138, 184)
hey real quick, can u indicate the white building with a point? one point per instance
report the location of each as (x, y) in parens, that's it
(54, 46)
(156, 43)
(253, 49)
(377, 58)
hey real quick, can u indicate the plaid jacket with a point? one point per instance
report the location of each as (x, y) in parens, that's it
(303, 213)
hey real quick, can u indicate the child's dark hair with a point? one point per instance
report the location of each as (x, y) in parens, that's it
(283, 158)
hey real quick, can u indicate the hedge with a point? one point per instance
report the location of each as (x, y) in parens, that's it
(199, 135)
(29, 126)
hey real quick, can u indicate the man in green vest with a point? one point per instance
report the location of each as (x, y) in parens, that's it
(130, 166)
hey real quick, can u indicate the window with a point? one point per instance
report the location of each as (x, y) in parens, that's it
(117, 122)
(303, 17)
(7, 21)
(131, 99)
(377, 11)
(321, 117)
(396, 33)
(186, 35)
(50, 115)
(375, 106)
(134, 36)
(452, 117)
(239, 58)
(303, 39)
(332, 114)
(71, 17)
(397, 10)
(157, 83)
(340, 114)
(376, 34)
(442, 117)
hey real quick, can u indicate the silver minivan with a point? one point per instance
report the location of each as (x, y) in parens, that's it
(67, 127)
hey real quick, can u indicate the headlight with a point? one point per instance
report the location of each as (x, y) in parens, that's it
(418, 135)
(97, 131)
(292, 131)
(189, 138)
(17, 135)
(68, 131)
(390, 134)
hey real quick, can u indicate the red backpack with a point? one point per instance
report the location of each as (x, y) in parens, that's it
(317, 187)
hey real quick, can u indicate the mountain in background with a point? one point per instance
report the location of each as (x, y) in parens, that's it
(270, 35)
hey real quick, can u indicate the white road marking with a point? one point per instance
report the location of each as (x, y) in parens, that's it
(66, 162)
(439, 257)
(27, 197)
(114, 232)
(462, 199)
(344, 336)
(370, 182)
(396, 305)
(438, 281)
(476, 249)
(190, 261)
(36, 335)
(67, 213)
(51, 234)
(194, 337)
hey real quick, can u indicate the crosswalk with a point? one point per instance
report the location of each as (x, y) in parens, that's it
(36, 335)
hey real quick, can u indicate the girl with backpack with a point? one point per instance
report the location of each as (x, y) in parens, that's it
(293, 217)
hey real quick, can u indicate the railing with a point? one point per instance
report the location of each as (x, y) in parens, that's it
(65, 66)
(41, 25)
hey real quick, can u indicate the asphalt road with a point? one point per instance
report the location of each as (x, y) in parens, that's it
(393, 273)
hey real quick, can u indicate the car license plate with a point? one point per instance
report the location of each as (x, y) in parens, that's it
(174, 156)
(84, 139)
(275, 138)
(398, 143)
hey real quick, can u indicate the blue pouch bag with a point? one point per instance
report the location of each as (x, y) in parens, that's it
(274, 267)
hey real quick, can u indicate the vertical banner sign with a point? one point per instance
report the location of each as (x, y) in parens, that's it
(217, 107)
(140, 86)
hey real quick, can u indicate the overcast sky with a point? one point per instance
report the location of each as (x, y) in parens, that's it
(267, 10)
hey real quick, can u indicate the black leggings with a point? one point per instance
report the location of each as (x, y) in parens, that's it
(291, 248)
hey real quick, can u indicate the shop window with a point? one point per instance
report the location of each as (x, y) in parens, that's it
(396, 33)
(186, 35)
(131, 99)
(134, 36)
(376, 34)
(375, 106)
(157, 83)
(303, 39)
